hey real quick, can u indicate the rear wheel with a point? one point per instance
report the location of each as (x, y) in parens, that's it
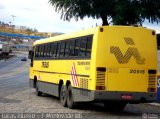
(70, 98)
(114, 106)
(38, 93)
(63, 96)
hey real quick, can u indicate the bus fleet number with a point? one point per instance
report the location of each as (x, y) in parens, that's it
(133, 71)
(45, 64)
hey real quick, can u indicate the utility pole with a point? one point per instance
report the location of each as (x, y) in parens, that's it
(13, 16)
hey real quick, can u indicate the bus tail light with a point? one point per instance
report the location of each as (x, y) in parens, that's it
(151, 90)
(127, 96)
(100, 87)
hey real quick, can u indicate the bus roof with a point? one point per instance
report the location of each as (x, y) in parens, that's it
(76, 34)
(66, 36)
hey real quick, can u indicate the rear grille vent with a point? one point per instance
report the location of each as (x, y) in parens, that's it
(84, 83)
(100, 83)
(152, 80)
(84, 87)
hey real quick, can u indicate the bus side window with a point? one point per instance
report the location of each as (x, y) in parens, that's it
(36, 51)
(41, 51)
(38, 48)
(58, 49)
(77, 47)
(44, 51)
(89, 46)
(47, 50)
(83, 47)
(72, 45)
(67, 48)
(54, 48)
(50, 50)
(62, 48)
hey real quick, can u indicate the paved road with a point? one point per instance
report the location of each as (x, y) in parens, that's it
(16, 96)
(13, 76)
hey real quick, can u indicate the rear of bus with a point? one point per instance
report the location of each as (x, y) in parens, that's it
(125, 64)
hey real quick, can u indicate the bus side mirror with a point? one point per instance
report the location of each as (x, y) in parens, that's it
(30, 54)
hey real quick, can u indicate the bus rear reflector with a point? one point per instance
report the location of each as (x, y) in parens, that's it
(151, 90)
(126, 96)
(100, 87)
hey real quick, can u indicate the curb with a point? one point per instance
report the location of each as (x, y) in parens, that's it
(154, 104)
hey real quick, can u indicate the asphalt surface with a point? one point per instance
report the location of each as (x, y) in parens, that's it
(10, 64)
(16, 78)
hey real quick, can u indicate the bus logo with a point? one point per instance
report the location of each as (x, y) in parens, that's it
(74, 76)
(131, 52)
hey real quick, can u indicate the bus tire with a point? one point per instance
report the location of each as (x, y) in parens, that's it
(63, 95)
(38, 93)
(70, 98)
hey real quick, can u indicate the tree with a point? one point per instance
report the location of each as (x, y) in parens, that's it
(35, 30)
(123, 12)
(126, 12)
(31, 30)
(129, 12)
(81, 8)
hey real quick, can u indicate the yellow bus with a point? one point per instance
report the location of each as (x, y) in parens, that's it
(114, 65)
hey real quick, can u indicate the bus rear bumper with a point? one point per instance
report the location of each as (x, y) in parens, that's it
(133, 97)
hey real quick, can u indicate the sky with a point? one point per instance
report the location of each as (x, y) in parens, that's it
(41, 15)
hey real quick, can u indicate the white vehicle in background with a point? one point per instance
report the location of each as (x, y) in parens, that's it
(5, 49)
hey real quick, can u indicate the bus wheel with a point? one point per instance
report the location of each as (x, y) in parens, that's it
(38, 93)
(63, 96)
(70, 100)
(114, 106)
